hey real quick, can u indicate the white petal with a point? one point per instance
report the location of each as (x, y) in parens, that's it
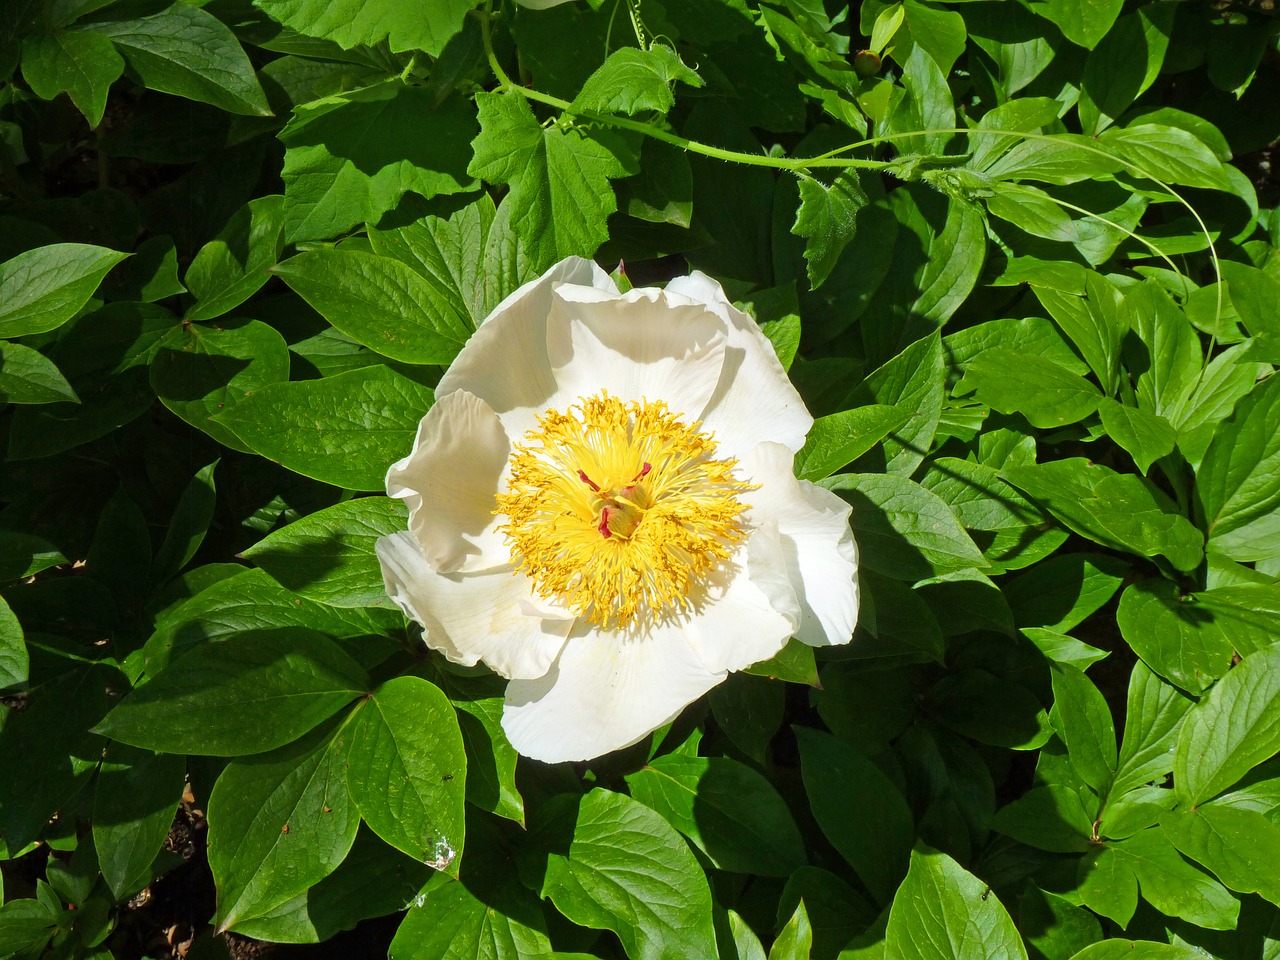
(609, 688)
(471, 617)
(505, 362)
(637, 347)
(821, 557)
(604, 693)
(754, 401)
(449, 482)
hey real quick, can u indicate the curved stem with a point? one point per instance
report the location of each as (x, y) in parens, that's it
(648, 130)
(832, 158)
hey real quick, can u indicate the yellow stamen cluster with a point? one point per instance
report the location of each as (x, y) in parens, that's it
(619, 511)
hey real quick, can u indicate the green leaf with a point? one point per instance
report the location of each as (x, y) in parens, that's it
(345, 430)
(1081, 21)
(1124, 65)
(329, 556)
(836, 911)
(559, 179)
(1228, 377)
(1253, 295)
(1241, 847)
(746, 945)
(491, 759)
(425, 25)
(943, 912)
(288, 680)
(1060, 648)
(749, 711)
(928, 105)
(151, 275)
(1114, 509)
(1153, 717)
(1014, 382)
(1247, 612)
(1095, 324)
(1231, 730)
(840, 438)
(1083, 720)
(1172, 634)
(955, 261)
(794, 663)
(351, 157)
(279, 823)
(838, 780)
(1055, 926)
(725, 809)
(202, 371)
(1023, 115)
(23, 555)
(1167, 153)
(1107, 884)
(1015, 40)
(940, 32)
(913, 381)
(187, 528)
(1062, 591)
(13, 650)
(634, 81)
(1172, 367)
(251, 600)
(44, 288)
(133, 806)
(408, 771)
(1146, 436)
(1238, 482)
(28, 376)
(230, 268)
(662, 192)
(622, 868)
(796, 939)
(449, 920)
(898, 617)
(989, 709)
(45, 751)
(379, 302)
(903, 530)
(25, 927)
(374, 881)
(1172, 885)
(188, 52)
(866, 705)
(1012, 530)
(1120, 949)
(83, 65)
(967, 600)
(457, 256)
(827, 220)
(1125, 814)
(1063, 158)
(1048, 818)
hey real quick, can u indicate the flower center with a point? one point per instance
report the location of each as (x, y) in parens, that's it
(619, 510)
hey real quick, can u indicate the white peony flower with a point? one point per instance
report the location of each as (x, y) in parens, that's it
(602, 509)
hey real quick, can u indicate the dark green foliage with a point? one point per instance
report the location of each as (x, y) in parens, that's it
(1018, 256)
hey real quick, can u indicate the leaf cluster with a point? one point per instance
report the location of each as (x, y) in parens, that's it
(1019, 257)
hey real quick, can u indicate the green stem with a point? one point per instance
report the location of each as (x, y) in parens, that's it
(648, 130)
(832, 158)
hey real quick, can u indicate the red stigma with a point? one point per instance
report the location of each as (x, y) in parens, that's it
(582, 475)
(604, 520)
(643, 473)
